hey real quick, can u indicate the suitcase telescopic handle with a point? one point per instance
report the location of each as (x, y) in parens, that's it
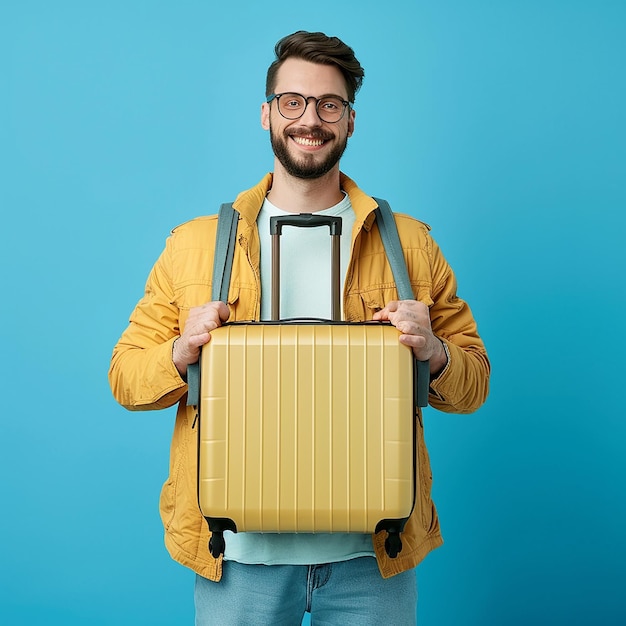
(306, 220)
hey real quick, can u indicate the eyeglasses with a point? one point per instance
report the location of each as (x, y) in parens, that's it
(292, 106)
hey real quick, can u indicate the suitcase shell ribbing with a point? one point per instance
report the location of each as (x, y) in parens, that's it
(306, 427)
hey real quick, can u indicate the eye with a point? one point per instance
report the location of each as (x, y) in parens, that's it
(331, 105)
(291, 101)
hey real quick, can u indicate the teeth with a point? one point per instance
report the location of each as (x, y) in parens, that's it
(303, 141)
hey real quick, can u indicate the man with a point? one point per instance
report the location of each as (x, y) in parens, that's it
(272, 578)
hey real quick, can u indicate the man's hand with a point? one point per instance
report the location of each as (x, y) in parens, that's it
(201, 321)
(412, 319)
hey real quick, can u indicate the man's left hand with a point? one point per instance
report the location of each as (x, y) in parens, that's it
(412, 319)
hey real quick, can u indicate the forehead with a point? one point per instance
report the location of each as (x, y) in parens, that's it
(310, 79)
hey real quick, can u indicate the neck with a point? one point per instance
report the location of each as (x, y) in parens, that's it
(298, 195)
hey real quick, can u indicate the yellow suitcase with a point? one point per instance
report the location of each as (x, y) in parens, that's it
(306, 426)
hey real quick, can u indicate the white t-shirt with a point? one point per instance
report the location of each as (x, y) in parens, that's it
(304, 263)
(305, 292)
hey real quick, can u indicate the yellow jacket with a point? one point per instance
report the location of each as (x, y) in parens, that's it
(143, 376)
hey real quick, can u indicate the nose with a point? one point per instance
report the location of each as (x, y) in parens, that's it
(310, 116)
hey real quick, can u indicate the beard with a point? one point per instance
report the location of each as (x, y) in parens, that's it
(306, 165)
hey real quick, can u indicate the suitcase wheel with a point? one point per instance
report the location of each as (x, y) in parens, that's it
(393, 545)
(217, 545)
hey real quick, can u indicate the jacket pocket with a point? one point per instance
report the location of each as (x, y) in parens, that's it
(373, 300)
(192, 294)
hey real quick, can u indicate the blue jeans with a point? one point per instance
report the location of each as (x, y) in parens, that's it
(346, 593)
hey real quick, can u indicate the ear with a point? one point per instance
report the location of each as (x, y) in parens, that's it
(265, 116)
(351, 119)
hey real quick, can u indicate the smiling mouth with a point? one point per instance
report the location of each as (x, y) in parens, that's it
(307, 141)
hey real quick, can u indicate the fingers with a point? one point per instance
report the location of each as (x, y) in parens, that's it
(412, 319)
(384, 313)
(205, 318)
(417, 342)
(398, 311)
(200, 323)
(222, 311)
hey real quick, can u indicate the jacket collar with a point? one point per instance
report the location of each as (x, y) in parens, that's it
(249, 202)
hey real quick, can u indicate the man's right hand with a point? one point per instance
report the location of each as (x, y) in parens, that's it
(201, 322)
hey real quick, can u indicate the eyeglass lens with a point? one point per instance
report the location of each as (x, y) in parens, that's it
(293, 105)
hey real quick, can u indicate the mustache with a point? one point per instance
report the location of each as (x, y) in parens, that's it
(314, 133)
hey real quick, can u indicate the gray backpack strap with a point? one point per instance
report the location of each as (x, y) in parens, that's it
(393, 249)
(224, 251)
(222, 267)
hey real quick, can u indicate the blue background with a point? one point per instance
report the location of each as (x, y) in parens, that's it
(499, 123)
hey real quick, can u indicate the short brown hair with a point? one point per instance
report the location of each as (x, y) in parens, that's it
(317, 48)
